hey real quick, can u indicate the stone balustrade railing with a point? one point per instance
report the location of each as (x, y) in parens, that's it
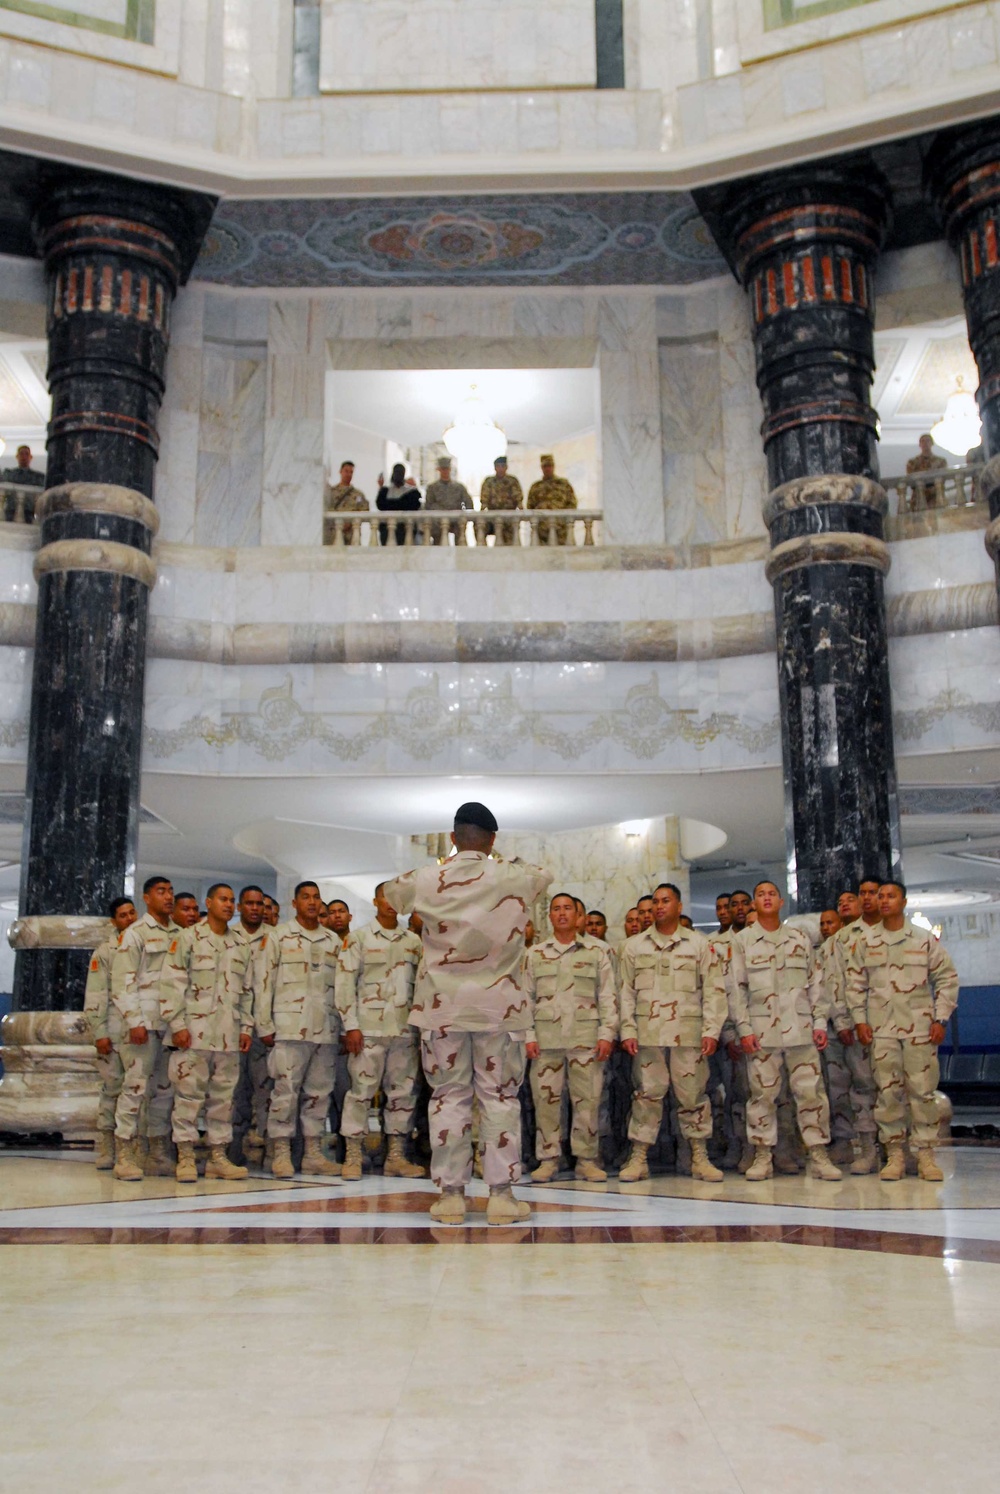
(948, 487)
(17, 502)
(574, 527)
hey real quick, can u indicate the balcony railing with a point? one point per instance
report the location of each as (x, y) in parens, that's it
(17, 502)
(948, 487)
(538, 527)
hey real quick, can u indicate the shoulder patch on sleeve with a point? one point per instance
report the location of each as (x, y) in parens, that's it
(173, 946)
(95, 963)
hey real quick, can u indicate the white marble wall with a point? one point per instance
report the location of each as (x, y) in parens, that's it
(387, 46)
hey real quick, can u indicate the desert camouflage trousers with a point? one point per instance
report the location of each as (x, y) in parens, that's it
(851, 1087)
(303, 1076)
(656, 1069)
(586, 1080)
(394, 1064)
(146, 1090)
(906, 1072)
(805, 1080)
(458, 1065)
(202, 1078)
(110, 1070)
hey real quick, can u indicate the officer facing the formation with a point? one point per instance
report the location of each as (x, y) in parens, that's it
(254, 932)
(780, 1014)
(673, 1005)
(501, 492)
(902, 988)
(108, 1031)
(297, 1020)
(135, 990)
(206, 996)
(343, 497)
(472, 1009)
(448, 495)
(570, 982)
(551, 492)
(374, 995)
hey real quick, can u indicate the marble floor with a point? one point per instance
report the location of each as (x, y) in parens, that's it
(791, 1336)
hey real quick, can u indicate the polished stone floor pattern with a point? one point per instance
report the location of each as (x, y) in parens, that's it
(670, 1336)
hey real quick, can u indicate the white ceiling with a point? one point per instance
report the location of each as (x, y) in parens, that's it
(916, 369)
(414, 406)
(24, 397)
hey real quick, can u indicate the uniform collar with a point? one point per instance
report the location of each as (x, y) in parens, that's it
(896, 936)
(558, 947)
(383, 933)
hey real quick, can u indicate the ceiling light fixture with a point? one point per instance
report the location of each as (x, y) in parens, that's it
(960, 427)
(474, 439)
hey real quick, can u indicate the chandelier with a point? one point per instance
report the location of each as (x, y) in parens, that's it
(960, 427)
(473, 438)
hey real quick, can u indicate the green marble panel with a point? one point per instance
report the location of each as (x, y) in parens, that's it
(133, 20)
(779, 13)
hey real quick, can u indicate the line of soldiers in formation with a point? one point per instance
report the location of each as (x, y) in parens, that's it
(754, 1014)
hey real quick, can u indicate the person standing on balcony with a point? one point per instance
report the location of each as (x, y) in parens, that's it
(447, 494)
(550, 492)
(501, 491)
(933, 492)
(24, 473)
(344, 497)
(397, 496)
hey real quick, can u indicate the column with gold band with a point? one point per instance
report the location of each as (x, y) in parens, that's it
(804, 243)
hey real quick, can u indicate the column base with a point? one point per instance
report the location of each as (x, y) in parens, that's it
(50, 1078)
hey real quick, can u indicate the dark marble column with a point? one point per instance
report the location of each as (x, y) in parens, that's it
(962, 170)
(115, 252)
(803, 242)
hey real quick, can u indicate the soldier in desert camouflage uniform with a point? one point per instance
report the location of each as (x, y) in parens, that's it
(780, 1012)
(673, 1005)
(254, 932)
(206, 997)
(551, 492)
(571, 984)
(344, 497)
(135, 991)
(501, 492)
(108, 1031)
(902, 988)
(846, 1064)
(374, 995)
(472, 1008)
(296, 1017)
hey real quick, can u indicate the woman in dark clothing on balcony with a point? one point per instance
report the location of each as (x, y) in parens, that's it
(397, 497)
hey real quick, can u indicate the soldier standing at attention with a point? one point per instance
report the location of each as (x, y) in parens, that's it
(780, 1011)
(107, 1030)
(644, 905)
(343, 497)
(448, 495)
(901, 988)
(673, 1005)
(272, 911)
(296, 1018)
(551, 492)
(723, 913)
(207, 1001)
(849, 1078)
(374, 993)
(255, 933)
(339, 921)
(136, 971)
(572, 987)
(472, 1009)
(503, 492)
(186, 911)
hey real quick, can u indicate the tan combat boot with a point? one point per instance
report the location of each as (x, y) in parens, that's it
(187, 1169)
(315, 1161)
(281, 1160)
(219, 1166)
(253, 1147)
(159, 1163)
(504, 1208)
(546, 1170)
(398, 1164)
(351, 1170)
(841, 1153)
(449, 1207)
(867, 1159)
(104, 1151)
(701, 1167)
(128, 1168)
(589, 1171)
(761, 1168)
(895, 1163)
(927, 1167)
(821, 1167)
(636, 1168)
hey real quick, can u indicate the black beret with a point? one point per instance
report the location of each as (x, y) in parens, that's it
(476, 814)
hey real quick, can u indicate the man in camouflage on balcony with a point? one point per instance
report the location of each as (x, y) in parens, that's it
(447, 494)
(571, 983)
(343, 497)
(932, 493)
(901, 989)
(501, 492)
(551, 492)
